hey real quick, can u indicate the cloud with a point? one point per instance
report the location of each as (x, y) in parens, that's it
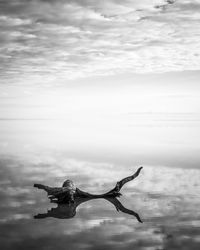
(50, 40)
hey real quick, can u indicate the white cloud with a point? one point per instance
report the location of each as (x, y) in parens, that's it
(59, 40)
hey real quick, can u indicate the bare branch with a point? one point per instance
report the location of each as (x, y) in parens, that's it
(65, 194)
(121, 183)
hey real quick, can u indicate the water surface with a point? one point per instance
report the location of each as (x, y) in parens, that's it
(167, 200)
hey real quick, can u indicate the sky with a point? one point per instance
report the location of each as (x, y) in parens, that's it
(116, 77)
(46, 40)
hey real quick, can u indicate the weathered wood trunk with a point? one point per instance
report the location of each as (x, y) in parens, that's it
(68, 192)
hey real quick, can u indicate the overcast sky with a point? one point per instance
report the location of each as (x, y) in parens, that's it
(121, 75)
(47, 40)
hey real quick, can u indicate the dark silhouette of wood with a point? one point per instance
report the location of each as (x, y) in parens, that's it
(69, 193)
(68, 198)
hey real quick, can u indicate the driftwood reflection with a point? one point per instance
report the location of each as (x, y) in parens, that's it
(68, 210)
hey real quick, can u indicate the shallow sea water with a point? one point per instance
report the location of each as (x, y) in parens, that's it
(166, 199)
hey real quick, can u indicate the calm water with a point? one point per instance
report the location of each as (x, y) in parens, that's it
(167, 200)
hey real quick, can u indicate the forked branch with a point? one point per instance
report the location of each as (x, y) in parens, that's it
(68, 193)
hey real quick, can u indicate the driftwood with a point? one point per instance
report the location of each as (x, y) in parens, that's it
(70, 197)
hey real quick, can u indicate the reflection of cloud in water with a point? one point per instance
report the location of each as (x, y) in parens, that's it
(167, 199)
